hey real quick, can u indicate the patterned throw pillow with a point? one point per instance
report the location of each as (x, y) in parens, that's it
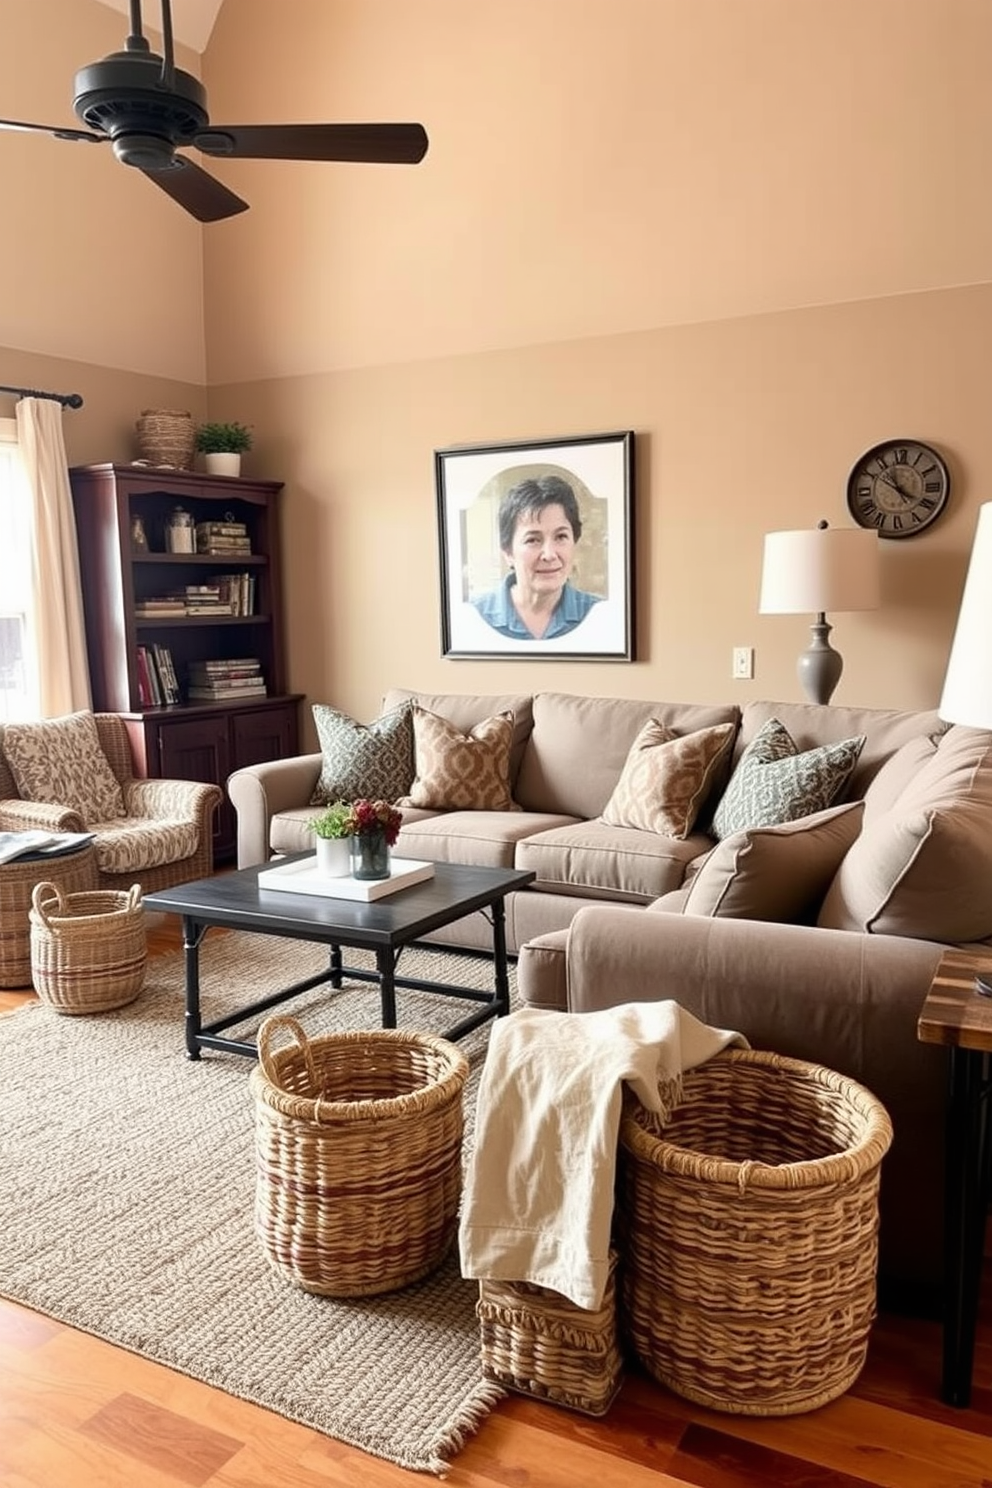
(667, 777)
(373, 760)
(774, 783)
(775, 873)
(462, 772)
(60, 760)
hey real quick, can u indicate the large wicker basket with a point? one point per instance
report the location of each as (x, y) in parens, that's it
(538, 1342)
(166, 437)
(358, 1156)
(749, 1226)
(89, 950)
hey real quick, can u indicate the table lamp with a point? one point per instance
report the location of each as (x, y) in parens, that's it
(812, 571)
(967, 695)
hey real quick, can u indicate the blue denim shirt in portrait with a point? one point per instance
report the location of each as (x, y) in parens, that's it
(496, 608)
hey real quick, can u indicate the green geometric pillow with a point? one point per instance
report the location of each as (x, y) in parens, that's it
(774, 783)
(373, 760)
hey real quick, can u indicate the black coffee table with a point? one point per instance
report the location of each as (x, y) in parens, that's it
(384, 926)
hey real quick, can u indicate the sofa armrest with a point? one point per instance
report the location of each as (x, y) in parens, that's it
(17, 815)
(259, 792)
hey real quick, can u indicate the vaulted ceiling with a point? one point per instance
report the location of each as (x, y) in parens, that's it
(192, 20)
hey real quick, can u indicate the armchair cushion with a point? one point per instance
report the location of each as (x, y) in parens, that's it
(60, 760)
(134, 845)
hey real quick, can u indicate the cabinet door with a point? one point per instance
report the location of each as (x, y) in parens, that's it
(263, 734)
(198, 749)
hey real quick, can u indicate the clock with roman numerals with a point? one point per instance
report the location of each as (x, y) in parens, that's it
(899, 488)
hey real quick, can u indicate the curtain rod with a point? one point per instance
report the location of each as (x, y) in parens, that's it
(68, 400)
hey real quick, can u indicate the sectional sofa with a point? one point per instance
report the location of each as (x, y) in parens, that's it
(817, 938)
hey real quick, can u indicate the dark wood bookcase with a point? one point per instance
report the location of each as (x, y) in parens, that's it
(184, 740)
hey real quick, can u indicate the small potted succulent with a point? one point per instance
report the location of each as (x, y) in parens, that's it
(222, 446)
(332, 829)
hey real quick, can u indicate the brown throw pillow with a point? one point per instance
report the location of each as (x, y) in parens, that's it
(667, 777)
(776, 873)
(462, 772)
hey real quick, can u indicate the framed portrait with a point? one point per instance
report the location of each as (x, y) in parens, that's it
(536, 548)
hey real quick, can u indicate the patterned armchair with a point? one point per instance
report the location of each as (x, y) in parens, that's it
(76, 774)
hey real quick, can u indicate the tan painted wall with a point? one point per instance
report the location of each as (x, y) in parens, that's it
(757, 232)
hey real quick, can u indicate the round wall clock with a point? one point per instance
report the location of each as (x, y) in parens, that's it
(899, 488)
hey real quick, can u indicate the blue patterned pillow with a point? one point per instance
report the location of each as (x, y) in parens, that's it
(774, 783)
(373, 760)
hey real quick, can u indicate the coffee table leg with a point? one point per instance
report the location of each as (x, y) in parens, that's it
(501, 1001)
(385, 963)
(193, 934)
(336, 965)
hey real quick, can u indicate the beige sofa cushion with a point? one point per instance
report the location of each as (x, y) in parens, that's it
(579, 746)
(60, 760)
(775, 782)
(924, 867)
(373, 760)
(483, 839)
(778, 873)
(667, 778)
(467, 709)
(458, 771)
(608, 862)
(899, 770)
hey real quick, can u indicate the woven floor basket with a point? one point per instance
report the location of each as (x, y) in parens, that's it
(88, 950)
(749, 1233)
(538, 1342)
(358, 1156)
(76, 871)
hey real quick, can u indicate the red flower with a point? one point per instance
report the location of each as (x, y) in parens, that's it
(373, 816)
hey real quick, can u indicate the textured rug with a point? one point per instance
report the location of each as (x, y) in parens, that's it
(126, 1190)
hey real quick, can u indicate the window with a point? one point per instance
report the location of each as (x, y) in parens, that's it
(19, 694)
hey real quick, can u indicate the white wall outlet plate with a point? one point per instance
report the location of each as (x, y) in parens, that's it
(743, 663)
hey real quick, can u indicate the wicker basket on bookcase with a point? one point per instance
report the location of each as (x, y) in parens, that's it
(88, 951)
(358, 1156)
(166, 437)
(748, 1230)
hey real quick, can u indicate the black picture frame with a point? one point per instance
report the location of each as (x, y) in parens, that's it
(593, 618)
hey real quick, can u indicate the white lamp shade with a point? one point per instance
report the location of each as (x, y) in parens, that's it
(819, 569)
(967, 696)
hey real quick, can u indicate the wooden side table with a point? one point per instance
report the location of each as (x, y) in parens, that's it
(74, 872)
(960, 1018)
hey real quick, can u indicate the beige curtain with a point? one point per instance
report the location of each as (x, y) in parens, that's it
(57, 597)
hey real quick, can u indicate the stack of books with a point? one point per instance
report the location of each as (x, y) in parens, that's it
(205, 599)
(160, 606)
(226, 681)
(222, 537)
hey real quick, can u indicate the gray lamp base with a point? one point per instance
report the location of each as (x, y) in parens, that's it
(820, 666)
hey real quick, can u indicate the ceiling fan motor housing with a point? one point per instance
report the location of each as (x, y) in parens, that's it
(123, 96)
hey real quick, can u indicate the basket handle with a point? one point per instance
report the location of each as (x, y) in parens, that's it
(267, 1034)
(133, 896)
(46, 891)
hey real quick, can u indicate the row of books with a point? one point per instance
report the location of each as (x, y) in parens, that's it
(226, 594)
(226, 680)
(157, 680)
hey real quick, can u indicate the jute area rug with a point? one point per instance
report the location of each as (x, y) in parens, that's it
(126, 1190)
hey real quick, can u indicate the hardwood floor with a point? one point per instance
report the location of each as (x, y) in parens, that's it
(77, 1412)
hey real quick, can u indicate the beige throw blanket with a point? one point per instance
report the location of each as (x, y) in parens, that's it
(538, 1198)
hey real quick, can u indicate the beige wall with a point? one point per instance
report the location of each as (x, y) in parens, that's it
(757, 232)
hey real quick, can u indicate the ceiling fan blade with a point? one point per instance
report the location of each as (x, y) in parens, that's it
(204, 197)
(56, 130)
(390, 144)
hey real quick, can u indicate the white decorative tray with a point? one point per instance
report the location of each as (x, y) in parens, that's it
(302, 877)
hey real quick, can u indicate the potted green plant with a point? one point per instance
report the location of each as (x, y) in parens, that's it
(333, 829)
(222, 446)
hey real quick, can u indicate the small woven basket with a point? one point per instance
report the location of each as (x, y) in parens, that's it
(749, 1225)
(166, 437)
(538, 1342)
(358, 1156)
(88, 951)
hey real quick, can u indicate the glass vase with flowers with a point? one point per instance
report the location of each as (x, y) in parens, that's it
(374, 827)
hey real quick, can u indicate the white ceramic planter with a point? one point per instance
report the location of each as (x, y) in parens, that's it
(222, 462)
(333, 856)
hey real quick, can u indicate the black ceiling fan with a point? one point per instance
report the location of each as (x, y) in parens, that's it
(148, 109)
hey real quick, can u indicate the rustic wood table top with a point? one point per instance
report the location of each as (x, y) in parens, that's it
(955, 1014)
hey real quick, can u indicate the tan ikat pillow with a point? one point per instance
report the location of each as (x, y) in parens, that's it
(462, 772)
(60, 760)
(667, 778)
